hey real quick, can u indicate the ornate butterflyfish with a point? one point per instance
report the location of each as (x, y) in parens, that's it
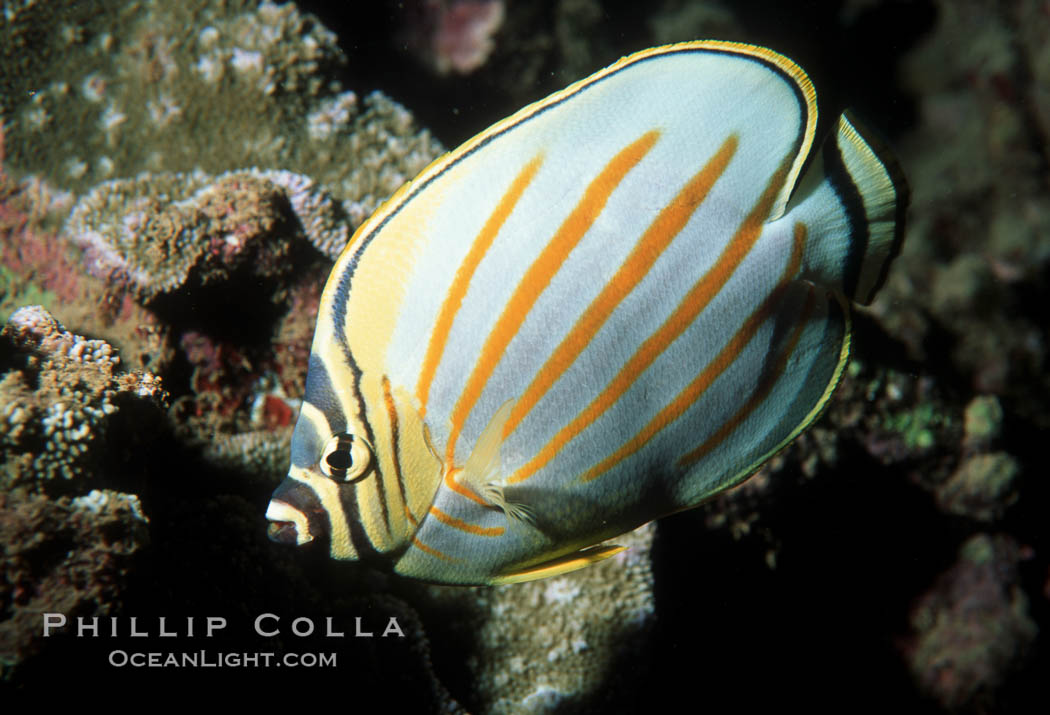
(608, 307)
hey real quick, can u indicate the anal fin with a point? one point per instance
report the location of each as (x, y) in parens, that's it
(562, 564)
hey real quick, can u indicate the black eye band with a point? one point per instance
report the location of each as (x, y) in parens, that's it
(346, 458)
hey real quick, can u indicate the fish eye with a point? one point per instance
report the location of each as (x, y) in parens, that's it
(345, 457)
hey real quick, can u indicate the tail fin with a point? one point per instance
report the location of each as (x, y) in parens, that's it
(853, 198)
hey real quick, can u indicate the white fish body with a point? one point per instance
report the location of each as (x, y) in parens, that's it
(610, 306)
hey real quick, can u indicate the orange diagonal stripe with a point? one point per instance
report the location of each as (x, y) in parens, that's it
(688, 309)
(760, 393)
(726, 357)
(671, 220)
(539, 275)
(428, 550)
(464, 526)
(453, 483)
(464, 274)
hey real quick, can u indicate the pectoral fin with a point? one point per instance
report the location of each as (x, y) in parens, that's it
(482, 470)
(562, 564)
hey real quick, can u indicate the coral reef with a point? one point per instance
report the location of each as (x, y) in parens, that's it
(973, 627)
(62, 399)
(263, 454)
(154, 231)
(982, 487)
(453, 35)
(57, 402)
(62, 556)
(977, 241)
(552, 644)
(206, 86)
(34, 268)
(37, 267)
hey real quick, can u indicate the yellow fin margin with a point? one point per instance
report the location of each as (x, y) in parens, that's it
(563, 564)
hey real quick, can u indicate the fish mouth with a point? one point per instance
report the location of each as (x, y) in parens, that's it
(282, 532)
(288, 525)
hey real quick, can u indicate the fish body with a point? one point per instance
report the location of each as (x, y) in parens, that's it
(611, 306)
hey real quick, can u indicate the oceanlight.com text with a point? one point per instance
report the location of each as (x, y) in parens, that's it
(211, 659)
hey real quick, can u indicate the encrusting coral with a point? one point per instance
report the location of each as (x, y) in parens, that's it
(155, 230)
(180, 87)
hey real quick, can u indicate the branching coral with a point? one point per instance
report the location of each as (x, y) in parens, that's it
(56, 404)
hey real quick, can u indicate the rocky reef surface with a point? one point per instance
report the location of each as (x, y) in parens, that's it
(175, 180)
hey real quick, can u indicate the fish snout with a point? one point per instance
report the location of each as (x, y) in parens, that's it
(288, 525)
